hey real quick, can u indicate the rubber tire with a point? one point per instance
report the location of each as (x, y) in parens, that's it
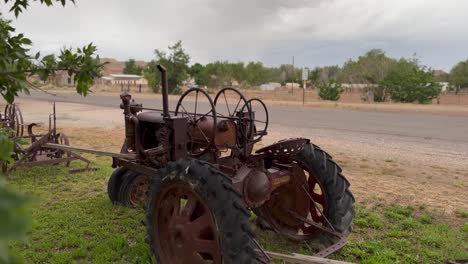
(225, 203)
(339, 199)
(127, 180)
(113, 185)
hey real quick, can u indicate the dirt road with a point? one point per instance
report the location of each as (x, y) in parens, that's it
(401, 157)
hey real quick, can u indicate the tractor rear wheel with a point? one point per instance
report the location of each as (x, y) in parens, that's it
(320, 193)
(196, 216)
(113, 185)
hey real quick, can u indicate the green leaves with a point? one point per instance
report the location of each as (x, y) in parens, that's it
(14, 61)
(20, 5)
(6, 145)
(16, 65)
(132, 68)
(14, 220)
(176, 64)
(330, 90)
(459, 75)
(410, 82)
(82, 66)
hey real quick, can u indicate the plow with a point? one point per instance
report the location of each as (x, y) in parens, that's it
(199, 172)
(30, 147)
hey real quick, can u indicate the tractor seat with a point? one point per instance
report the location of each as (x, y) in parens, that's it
(151, 117)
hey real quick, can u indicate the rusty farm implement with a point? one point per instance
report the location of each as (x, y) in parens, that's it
(30, 147)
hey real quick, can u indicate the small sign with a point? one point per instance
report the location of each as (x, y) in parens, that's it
(305, 74)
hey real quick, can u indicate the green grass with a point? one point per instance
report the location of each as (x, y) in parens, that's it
(405, 237)
(461, 213)
(73, 221)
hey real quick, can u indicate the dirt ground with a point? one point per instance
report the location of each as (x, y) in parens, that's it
(378, 171)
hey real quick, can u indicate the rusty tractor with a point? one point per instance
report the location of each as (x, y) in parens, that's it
(198, 172)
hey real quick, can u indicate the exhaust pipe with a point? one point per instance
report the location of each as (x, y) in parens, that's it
(165, 90)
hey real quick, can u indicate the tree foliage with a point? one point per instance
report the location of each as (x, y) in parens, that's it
(18, 6)
(16, 65)
(372, 68)
(459, 75)
(408, 82)
(330, 90)
(132, 68)
(13, 221)
(224, 73)
(176, 63)
(196, 71)
(324, 74)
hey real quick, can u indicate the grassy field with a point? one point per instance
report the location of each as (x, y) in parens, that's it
(73, 221)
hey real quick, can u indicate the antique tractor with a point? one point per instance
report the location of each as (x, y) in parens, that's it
(196, 171)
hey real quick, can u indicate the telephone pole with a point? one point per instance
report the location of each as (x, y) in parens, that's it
(293, 77)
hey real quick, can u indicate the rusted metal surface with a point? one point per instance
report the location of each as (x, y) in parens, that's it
(187, 232)
(44, 149)
(289, 195)
(139, 190)
(12, 118)
(66, 147)
(201, 126)
(285, 147)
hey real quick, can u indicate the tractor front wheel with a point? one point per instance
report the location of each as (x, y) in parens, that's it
(134, 190)
(113, 185)
(196, 216)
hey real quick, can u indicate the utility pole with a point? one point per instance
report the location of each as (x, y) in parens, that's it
(305, 76)
(293, 77)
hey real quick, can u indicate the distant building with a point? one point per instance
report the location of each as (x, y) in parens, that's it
(59, 78)
(445, 86)
(270, 86)
(126, 79)
(292, 84)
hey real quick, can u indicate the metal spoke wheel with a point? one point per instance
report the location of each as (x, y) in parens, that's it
(261, 118)
(231, 104)
(201, 123)
(13, 113)
(187, 227)
(194, 215)
(134, 190)
(315, 206)
(295, 199)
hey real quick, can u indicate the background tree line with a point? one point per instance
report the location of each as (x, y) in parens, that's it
(401, 80)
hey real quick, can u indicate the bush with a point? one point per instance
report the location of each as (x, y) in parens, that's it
(330, 91)
(409, 82)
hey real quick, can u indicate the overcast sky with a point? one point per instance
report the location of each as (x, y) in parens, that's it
(315, 32)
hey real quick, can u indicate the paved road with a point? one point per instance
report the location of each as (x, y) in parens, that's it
(374, 124)
(416, 138)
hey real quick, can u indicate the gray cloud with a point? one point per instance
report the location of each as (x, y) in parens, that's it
(319, 32)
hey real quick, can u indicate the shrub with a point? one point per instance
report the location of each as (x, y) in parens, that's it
(409, 82)
(330, 91)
